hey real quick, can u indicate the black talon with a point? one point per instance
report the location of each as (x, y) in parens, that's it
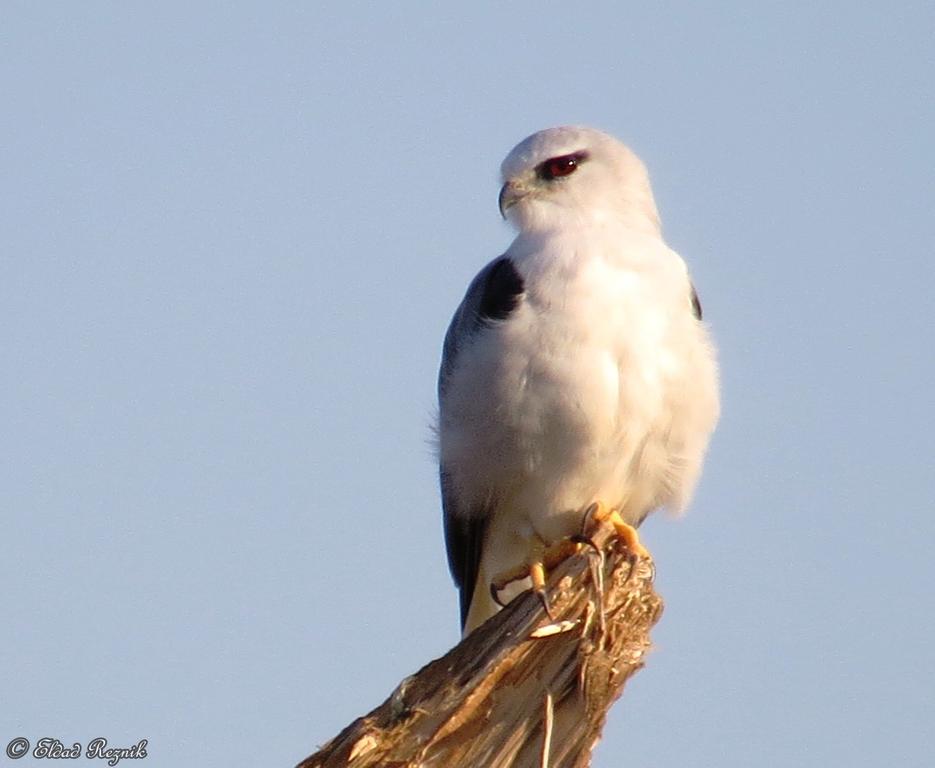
(588, 515)
(652, 571)
(544, 599)
(634, 560)
(495, 594)
(580, 538)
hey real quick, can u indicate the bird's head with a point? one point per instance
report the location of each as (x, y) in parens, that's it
(575, 175)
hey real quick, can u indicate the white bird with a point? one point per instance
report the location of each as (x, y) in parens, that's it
(576, 369)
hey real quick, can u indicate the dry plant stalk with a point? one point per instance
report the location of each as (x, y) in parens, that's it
(485, 704)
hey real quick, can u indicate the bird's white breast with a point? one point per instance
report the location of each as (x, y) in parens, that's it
(601, 385)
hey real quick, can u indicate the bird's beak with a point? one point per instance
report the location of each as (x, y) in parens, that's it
(510, 194)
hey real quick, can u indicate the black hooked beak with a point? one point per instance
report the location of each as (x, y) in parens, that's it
(502, 199)
(510, 194)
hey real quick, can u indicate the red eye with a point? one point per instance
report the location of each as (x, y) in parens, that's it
(556, 167)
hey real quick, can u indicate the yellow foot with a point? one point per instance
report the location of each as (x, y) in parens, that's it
(542, 560)
(626, 533)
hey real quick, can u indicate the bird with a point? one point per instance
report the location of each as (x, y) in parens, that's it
(576, 374)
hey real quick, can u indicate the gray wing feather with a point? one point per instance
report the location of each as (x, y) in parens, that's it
(492, 295)
(696, 303)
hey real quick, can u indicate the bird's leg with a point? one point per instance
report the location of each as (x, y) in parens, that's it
(541, 560)
(561, 550)
(626, 533)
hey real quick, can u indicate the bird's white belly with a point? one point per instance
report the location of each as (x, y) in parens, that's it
(577, 417)
(578, 406)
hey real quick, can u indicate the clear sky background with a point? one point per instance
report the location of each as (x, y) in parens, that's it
(232, 238)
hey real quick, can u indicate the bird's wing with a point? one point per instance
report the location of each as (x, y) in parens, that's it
(492, 296)
(696, 303)
(464, 539)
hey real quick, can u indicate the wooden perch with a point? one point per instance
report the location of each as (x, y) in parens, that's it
(523, 690)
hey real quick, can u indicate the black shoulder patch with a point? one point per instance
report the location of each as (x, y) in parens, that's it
(696, 303)
(502, 291)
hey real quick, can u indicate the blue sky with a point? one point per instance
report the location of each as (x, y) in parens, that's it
(233, 236)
